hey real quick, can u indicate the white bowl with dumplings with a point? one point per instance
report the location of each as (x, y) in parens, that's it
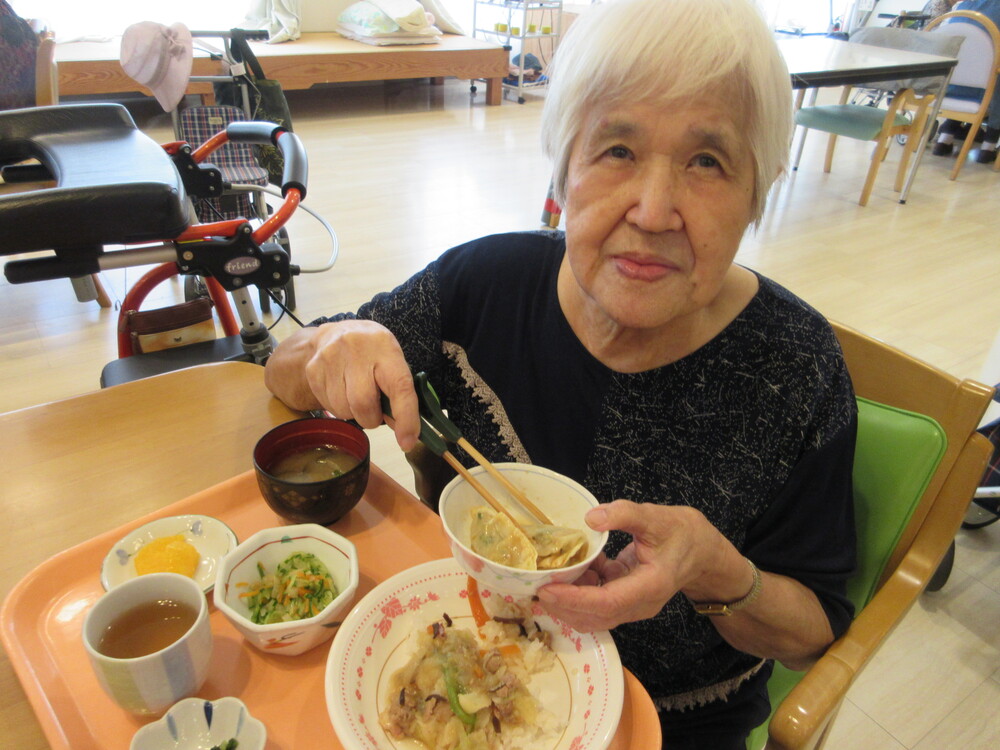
(563, 500)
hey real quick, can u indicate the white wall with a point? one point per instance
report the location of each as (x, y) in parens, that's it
(102, 19)
(108, 18)
(321, 15)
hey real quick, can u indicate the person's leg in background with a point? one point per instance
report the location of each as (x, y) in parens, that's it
(987, 153)
(949, 131)
(988, 149)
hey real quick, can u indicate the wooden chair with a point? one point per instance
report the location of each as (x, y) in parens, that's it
(978, 67)
(917, 465)
(907, 114)
(46, 72)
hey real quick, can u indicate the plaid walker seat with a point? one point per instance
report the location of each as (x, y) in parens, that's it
(236, 161)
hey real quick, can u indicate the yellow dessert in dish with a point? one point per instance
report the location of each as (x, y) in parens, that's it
(167, 554)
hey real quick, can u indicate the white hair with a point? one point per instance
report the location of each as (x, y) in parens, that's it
(662, 52)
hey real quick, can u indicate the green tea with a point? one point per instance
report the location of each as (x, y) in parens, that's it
(146, 629)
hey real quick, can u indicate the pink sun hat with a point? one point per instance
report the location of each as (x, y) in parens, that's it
(158, 57)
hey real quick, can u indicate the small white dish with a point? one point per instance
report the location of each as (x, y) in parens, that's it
(198, 724)
(210, 536)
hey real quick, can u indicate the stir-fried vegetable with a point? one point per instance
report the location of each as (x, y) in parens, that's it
(454, 689)
(301, 587)
(227, 745)
(467, 689)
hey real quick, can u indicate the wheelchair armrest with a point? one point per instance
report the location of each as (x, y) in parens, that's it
(113, 184)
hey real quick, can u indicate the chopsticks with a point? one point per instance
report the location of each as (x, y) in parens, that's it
(480, 459)
(485, 493)
(436, 431)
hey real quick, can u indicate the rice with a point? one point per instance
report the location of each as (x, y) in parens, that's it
(488, 673)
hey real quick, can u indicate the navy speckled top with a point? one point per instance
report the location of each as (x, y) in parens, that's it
(755, 429)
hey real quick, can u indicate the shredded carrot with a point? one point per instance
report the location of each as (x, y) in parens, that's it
(476, 604)
(510, 649)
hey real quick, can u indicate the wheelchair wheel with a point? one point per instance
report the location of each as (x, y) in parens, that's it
(981, 513)
(943, 571)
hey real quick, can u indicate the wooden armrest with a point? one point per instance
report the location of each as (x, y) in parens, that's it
(801, 719)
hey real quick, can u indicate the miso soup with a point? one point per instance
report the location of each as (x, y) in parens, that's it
(314, 464)
(146, 629)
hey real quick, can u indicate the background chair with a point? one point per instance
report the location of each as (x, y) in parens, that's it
(918, 462)
(46, 73)
(907, 114)
(45, 92)
(978, 66)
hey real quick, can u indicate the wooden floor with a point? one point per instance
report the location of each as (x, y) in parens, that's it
(405, 170)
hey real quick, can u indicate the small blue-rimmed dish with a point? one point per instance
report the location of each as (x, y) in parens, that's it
(209, 536)
(198, 724)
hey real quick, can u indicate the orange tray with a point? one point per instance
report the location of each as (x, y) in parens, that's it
(42, 620)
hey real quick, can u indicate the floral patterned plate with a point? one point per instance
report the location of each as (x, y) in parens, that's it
(210, 536)
(584, 690)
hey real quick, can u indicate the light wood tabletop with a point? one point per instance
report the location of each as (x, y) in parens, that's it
(79, 467)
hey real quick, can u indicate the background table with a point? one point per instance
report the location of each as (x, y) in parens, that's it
(819, 61)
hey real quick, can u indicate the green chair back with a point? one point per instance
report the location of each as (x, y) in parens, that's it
(896, 456)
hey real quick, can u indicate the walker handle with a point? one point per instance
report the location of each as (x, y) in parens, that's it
(49, 268)
(296, 171)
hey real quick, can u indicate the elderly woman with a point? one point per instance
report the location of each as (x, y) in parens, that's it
(708, 408)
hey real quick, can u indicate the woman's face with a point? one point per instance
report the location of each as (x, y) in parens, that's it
(657, 201)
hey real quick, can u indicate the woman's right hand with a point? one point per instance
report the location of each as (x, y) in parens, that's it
(344, 368)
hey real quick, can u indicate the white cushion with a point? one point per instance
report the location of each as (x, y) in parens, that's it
(959, 105)
(321, 15)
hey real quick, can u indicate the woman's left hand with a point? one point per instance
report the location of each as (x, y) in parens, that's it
(668, 550)
(675, 549)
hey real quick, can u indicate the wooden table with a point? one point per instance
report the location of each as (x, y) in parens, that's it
(93, 68)
(79, 468)
(76, 468)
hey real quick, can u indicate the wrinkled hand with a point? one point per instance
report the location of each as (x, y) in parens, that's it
(663, 557)
(352, 364)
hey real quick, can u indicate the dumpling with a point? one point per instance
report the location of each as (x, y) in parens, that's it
(496, 538)
(557, 546)
(545, 547)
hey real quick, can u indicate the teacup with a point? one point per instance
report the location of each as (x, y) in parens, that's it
(149, 641)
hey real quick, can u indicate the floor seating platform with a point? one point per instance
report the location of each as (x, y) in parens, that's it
(93, 68)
